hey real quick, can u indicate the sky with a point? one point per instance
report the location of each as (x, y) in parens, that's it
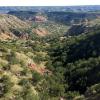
(48, 2)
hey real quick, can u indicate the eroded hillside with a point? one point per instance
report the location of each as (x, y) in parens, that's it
(8, 23)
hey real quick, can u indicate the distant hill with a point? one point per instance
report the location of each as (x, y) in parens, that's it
(53, 8)
(67, 18)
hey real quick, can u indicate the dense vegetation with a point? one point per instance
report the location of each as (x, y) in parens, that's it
(79, 57)
(52, 67)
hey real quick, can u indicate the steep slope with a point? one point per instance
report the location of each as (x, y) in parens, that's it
(86, 28)
(8, 24)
